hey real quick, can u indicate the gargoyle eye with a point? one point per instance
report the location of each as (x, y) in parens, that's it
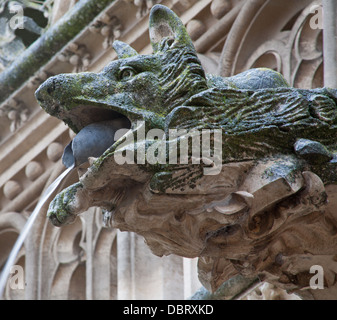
(126, 73)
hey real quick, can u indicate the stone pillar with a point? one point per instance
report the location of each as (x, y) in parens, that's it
(191, 281)
(124, 272)
(330, 43)
(142, 275)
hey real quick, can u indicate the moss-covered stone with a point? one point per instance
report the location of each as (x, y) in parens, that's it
(257, 113)
(45, 47)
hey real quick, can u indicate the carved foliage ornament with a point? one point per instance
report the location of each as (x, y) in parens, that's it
(16, 111)
(266, 209)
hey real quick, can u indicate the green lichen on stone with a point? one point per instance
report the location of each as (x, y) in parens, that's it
(45, 47)
(60, 210)
(258, 114)
(288, 168)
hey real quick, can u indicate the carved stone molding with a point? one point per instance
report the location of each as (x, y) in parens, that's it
(77, 55)
(16, 112)
(143, 6)
(289, 45)
(109, 27)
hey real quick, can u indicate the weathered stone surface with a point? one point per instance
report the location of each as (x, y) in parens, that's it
(265, 213)
(312, 151)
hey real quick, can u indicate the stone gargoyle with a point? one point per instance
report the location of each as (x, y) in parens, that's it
(257, 197)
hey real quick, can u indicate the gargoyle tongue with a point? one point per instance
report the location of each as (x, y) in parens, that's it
(92, 141)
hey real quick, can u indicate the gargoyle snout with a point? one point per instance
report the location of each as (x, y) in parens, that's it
(46, 90)
(62, 89)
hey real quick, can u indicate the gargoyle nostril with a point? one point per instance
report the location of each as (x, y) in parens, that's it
(51, 87)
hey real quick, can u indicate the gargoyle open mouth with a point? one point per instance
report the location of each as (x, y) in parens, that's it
(94, 120)
(85, 114)
(99, 128)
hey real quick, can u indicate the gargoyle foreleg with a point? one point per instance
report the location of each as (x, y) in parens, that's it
(68, 204)
(77, 198)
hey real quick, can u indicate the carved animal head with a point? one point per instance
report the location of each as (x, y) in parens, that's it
(271, 137)
(169, 89)
(139, 87)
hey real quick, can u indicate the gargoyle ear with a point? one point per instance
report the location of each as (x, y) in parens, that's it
(123, 50)
(165, 23)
